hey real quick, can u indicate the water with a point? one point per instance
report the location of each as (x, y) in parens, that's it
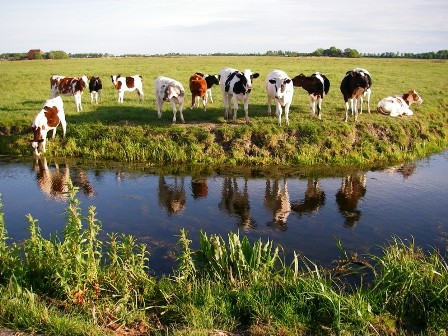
(363, 210)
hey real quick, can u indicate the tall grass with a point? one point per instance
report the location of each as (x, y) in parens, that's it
(76, 284)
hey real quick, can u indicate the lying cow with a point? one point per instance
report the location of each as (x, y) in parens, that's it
(198, 89)
(169, 90)
(125, 84)
(211, 80)
(236, 86)
(68, 86)
(50, 116)
(398, 105)
(352, 88)
(279, 87)
(317, 85)
(95, 88)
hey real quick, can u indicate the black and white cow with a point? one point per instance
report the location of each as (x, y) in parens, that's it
(353, 86)
(95, 88)
(317, 85)
(236, 86)
(367, 91)
(211, 80)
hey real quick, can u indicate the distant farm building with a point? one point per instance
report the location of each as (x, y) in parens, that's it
(33, 52)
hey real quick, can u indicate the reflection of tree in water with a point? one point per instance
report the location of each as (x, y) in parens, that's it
(276, 199)
(52, 182)
(313, 200)
(172, 195)
(199, 188)
(236, 202)
(353, 188)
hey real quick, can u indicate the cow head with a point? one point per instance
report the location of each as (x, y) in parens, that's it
(249, 75)
(39, 134)
(172, 91)
(298, 80)
(95, 84)
(280, 86)
(213, 79)
(413, 97)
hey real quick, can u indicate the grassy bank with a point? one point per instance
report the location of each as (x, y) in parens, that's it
(132, 132)
(80, 285)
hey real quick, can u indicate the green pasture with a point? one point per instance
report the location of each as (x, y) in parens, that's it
(94, 132)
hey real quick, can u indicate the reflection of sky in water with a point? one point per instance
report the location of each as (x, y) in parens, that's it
(305, 215)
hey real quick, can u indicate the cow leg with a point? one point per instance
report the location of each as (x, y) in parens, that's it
(246, 109)
(346, 110)
(278, 112)
(100, 91)
(194, 99)
(235, 107)
(355, 108)
(287, 106)
(319, 108)
(209, 93)
(181, 107)
(77, 102)
(269, 106)
(120, 96)
(226, 102)
(159, 106)
(91, 97)
(204, 102)
(368, 92)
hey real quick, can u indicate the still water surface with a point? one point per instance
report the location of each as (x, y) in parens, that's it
(301, 213)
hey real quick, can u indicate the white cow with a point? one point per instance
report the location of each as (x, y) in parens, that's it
(130, 83)
(399, 105)
(50, 116)
(236, 85)
(169, 90)
(279, 87)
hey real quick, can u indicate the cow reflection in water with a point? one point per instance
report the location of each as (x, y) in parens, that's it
(199, 188)
(172, 195)
(406, 169)
(81, 180)
(353, 188)
(313, 200)
(276, 199)
(236, 202)
(52, 182)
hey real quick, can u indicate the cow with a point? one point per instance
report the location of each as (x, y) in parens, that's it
(353, 86)
(236, 85)
(68, 86)
(317, 85)
(279, 87)
(211, 80)
(198, 89)
(169, 90)
(367, 92)
(398, 105)
(49, 118)
(130, 83)
(95, 88)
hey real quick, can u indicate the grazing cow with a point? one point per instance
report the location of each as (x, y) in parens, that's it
(398, 105)
(50, 116)
(236, 85)
(68, 86)
(130, 83)
(279, 87)
(211, 80)
(317, 85)
(52, 182)
(198, 89)
(95, 88)
(169, 90)
(352, 87)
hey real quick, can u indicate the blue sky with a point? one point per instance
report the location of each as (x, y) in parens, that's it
(207, 26)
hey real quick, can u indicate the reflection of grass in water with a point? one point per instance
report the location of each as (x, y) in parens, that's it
(79, 285)
(131, 131)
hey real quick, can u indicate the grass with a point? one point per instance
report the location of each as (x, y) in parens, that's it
(79, 285)
(132, 132)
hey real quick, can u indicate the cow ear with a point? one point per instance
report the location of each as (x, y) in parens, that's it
(272, 81)
(255, 75)
(287, 81)
(240, 75)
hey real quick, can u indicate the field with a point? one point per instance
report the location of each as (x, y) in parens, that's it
(206, 137)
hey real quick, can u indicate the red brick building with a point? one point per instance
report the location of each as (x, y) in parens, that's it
(33, 52)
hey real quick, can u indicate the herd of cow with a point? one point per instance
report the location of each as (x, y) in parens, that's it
(235, 87)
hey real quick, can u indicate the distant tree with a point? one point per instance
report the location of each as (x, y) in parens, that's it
(351, 53)
(57, 54)
(318, 52)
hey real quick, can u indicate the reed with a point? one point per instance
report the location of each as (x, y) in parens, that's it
(76, 284)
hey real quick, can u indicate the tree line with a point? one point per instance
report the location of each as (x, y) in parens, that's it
(330, 52)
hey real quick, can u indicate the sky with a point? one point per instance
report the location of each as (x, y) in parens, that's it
(229, 26)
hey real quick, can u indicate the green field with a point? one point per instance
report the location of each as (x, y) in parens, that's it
(132, 132)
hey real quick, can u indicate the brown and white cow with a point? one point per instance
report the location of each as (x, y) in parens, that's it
(52, 182)
(211, 80)
(398, 105)
(198, 89)
(50, 116)
(130, 83)
(68, 86)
